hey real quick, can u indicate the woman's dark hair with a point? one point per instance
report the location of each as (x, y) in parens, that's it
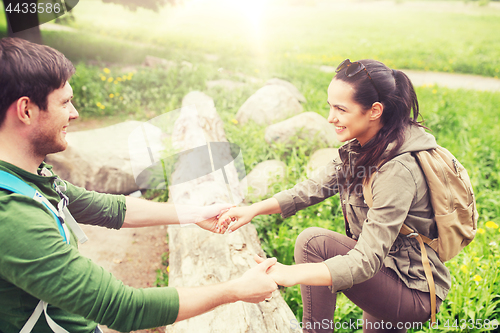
(395, 91)
(31, 70)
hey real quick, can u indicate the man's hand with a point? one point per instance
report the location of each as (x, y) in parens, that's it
(280, 273)
(256, 285)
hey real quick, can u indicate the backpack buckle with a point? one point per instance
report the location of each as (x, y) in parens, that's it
(413, 234)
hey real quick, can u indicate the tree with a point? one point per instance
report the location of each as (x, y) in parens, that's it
(22, 25)
(27, 25)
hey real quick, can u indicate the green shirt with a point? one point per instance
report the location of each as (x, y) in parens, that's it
(36, 263)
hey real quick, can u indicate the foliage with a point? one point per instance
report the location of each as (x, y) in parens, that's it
(298, 40)
(131, 92)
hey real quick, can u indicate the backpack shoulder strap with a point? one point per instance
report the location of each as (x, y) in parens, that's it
(408, 232)
(16, 185)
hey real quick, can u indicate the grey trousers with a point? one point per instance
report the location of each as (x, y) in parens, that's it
(388, 304)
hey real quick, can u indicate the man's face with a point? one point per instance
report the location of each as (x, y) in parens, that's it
(49, 136)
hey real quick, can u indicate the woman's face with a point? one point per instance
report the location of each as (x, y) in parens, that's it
(349, 118)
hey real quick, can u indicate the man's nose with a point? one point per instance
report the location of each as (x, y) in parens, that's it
(73, 114)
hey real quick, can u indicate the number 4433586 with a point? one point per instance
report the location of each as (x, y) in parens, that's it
(32, 8)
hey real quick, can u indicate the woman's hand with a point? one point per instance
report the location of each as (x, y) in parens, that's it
(238, 215)
(207, 217)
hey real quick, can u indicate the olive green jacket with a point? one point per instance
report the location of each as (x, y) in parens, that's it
(400, 195)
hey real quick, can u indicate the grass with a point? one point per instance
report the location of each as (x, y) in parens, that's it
(465, 122)
(449, 36)
(440, 36)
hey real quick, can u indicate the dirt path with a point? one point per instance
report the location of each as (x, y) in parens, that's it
(454, 81)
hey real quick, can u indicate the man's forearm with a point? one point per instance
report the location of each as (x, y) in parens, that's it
(144, 213)
(196, 301)
(254, 286)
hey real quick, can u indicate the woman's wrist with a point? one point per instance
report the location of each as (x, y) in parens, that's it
(268, 206)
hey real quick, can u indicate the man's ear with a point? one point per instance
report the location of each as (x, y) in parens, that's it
(376, 111)
(23, 109)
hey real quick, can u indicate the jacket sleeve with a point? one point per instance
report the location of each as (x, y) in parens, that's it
(311, 191)
(393, 191)
(90, 207)
(34, 258)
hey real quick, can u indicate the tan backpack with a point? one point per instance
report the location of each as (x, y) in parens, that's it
(454, 205)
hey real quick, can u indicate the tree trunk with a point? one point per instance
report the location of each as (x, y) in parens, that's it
(25, 26)
(198, 257)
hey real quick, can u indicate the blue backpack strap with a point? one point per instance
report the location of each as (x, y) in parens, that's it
(14, 184)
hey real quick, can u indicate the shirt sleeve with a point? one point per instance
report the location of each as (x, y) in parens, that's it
(90, 207)
(311, 191)
(393, 191)
(34, 258)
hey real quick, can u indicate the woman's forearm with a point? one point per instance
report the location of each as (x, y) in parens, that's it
(311, 274)
(266, 207)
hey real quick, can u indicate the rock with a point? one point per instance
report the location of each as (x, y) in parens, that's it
(309, 126)
(289, 86)
(99, 159)
(270, 104)
(225, 84)
(261, 177)
(319, 160)
(209, 119)
(151, 61)
(198, 257)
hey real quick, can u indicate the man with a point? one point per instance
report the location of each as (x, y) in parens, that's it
(35, 262)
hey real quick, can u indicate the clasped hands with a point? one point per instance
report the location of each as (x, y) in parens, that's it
(229, 219)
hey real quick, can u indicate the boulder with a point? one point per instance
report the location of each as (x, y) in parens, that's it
(99, 159)
(198, 257)
(289, 86)
(270, 104)
(309, 126)
(319, 160)
(261, 177)
(209, 120)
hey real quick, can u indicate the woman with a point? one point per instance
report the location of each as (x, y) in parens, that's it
(374, 110)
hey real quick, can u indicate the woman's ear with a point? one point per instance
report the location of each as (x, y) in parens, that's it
(376, 111)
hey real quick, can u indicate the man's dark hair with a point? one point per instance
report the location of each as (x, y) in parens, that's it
(31, 70)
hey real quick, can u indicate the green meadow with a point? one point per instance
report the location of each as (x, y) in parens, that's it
(257, 40)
